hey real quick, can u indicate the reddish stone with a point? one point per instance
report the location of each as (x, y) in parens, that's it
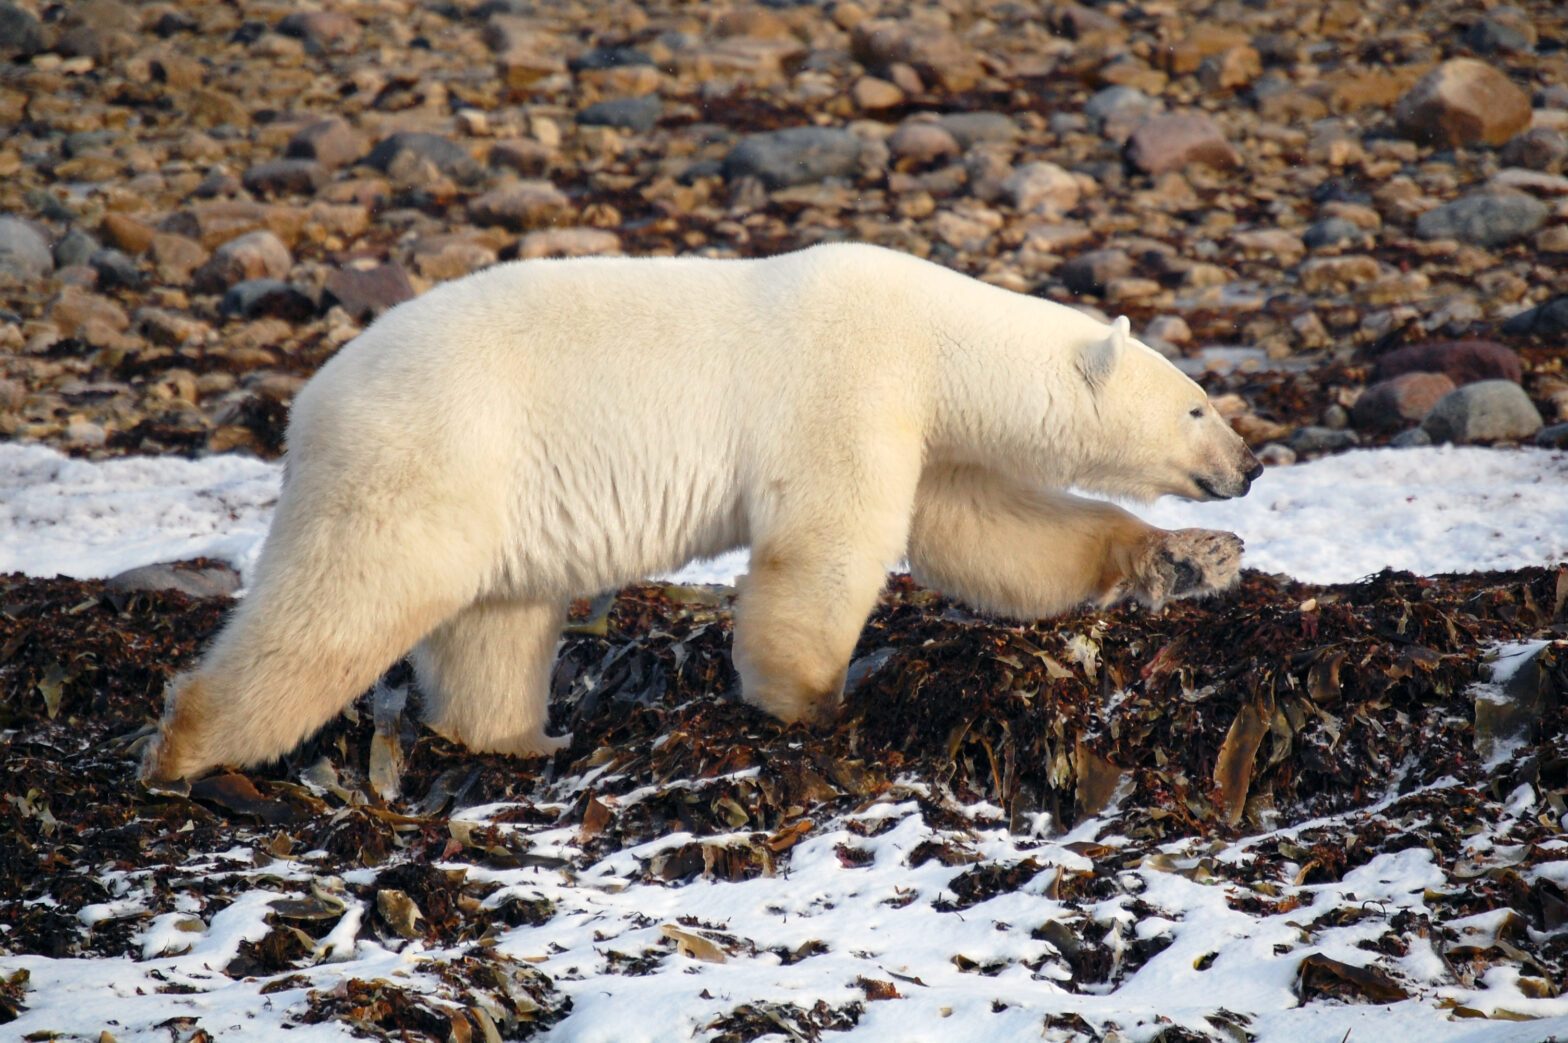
(1462, 361)
(1394, 403)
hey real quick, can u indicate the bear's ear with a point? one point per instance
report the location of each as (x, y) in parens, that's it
(1099, 358)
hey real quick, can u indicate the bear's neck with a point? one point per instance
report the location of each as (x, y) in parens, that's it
(1009, 394)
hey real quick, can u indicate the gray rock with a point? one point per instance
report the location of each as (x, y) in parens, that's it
(21, 34)
(973, 128)
(447, 156)
(256, 298)
(24, 253)
(1410, 439)
(797, 156)
(1544, 320)
(1332, 231)
(636, 114)
(75, 247)
(1539, 148)
(254, 255)
(1316, 439)
(609, 58)
(1484, 219)
(115, 270)
(1487, 411)
(1554, 437)
(1090, 271)
(194, 579)
(1116, 111)
(1493, 34)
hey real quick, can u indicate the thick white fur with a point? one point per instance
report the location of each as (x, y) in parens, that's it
(545, 429)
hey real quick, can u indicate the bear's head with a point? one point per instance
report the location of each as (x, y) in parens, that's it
(1159, 432)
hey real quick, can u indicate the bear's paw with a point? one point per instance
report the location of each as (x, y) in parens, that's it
(1188, 563)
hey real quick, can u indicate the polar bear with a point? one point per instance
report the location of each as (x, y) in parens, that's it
(544, 429)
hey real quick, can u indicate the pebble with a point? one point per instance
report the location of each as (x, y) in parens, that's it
(1461, 361)
(922, 142)
(446, 156)
(634, 114)
(1486, 411)
(367, 292)
(979, 128)
(1176, 141)
(1042, 188)
(331, 142)
(522, 205)
(1331, 232)
(1410, 438)
(257, 298)
(254, 255)
(797, 156)
(936, 54)
(75, 247)
(1463, 102)
(569, 242)
(1554, 437)
(1114, 111)
(1545, 320)
(1394, 403)
(1315, 438)
(1091, 271)
(1484, 219)
(285, 177)
(24, 253)
(21, 33)
(1539, 148)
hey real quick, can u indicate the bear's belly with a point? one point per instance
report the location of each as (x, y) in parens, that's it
(604, 531)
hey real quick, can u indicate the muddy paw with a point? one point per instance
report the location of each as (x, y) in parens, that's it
(1189, 562)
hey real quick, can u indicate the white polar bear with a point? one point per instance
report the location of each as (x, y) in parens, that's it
(545, 429)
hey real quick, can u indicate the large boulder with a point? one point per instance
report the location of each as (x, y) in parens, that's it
(1488, 411)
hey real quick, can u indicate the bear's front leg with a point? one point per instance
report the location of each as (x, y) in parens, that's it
(1184, 563)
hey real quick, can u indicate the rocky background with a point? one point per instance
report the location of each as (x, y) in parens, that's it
(1351, 217)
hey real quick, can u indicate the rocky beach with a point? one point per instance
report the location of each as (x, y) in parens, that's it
(1294, 811)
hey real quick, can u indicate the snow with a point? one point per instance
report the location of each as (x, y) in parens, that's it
(1429, 510)
(1425, 510)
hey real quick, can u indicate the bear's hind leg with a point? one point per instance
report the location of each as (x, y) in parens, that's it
(290, 659)
(484, 676)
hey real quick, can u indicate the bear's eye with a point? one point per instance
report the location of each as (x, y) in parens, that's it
(1196, 412)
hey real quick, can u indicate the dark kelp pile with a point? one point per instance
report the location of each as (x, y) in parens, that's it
(1275, 738)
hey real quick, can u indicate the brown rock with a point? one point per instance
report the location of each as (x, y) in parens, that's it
(1463, 102)
(873, 93)
(1328, 273)
(330, 142)
(569, 242)
(254, 255)
(211, 107)
(520, 206)
(126, 233)
(1395, 403)
(440, 257)
(175, 257)
(1462, 361)
(1175, 141)
(80, 313)
(524, 155)
(919, 142)
(933, 52)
